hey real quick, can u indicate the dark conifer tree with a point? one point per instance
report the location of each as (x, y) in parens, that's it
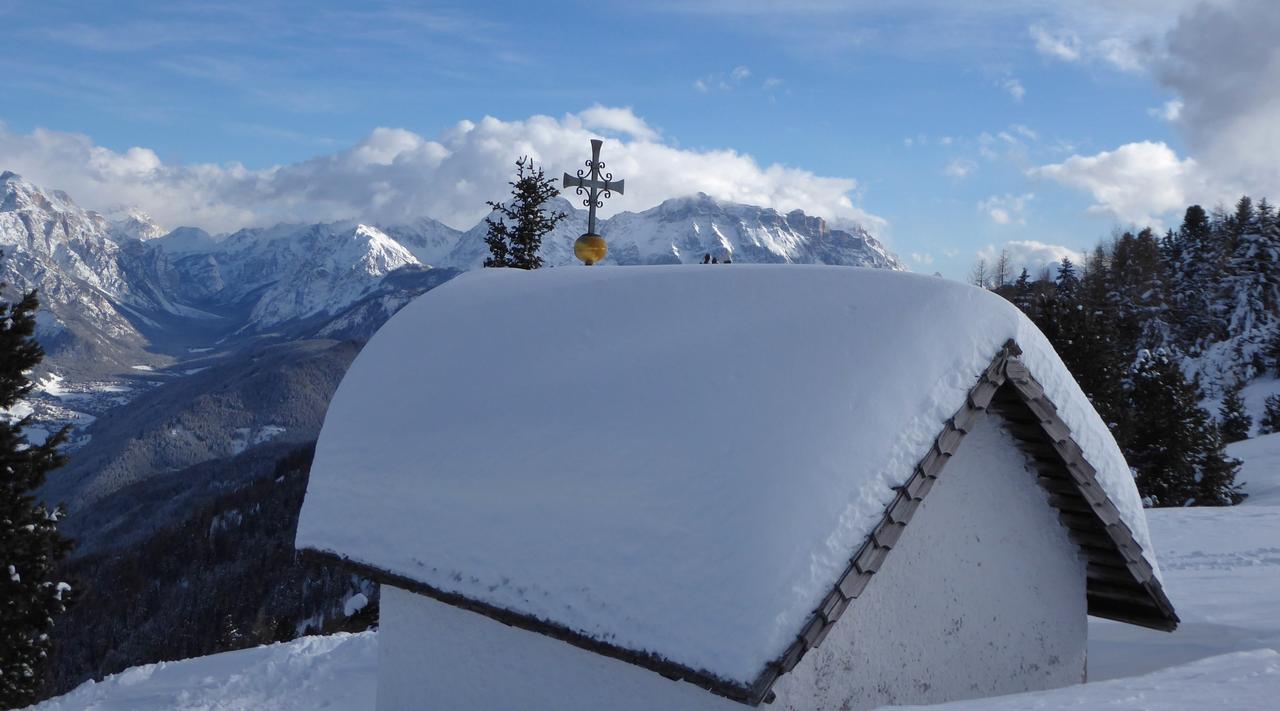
(1233, 422)
(1067, 279)
(515, 236)
(1023, 292)
(30, 545)
(1249, 290)
(1197, 279)
(1139, 284)
(1174, 448)
(1273, 348)
(1216, 484)
(1270, 422)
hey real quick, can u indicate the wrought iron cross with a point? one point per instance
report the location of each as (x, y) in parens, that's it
(591, 184)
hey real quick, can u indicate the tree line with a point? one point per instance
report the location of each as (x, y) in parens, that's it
(1149, 322)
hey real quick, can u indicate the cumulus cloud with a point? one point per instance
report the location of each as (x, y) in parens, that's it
(1136, 182)
(1030, 254)
(395, 175)
(1222, 60)
(1063, 44)
(1006, 209)
(959, 168)
(1014, 88)
(1169, 111)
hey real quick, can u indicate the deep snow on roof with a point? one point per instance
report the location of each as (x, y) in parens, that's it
(678, 460)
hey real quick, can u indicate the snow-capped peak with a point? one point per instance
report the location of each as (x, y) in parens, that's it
(132, 223)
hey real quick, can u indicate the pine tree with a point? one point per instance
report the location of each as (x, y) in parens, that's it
(1270, 422)
(1216, 480)
(1023, 293)
(515, 237)
(1067, 279)
(1273, 348)
(1249, 290)
(1196, 279)
(30, 545)
(1175, 450)
(1233, 422)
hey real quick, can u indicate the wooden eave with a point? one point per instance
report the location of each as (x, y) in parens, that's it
(1121, 584)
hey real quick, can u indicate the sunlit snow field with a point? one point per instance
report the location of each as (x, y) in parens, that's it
(1221, 568)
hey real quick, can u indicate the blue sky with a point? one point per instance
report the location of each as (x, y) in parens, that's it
(939, 118)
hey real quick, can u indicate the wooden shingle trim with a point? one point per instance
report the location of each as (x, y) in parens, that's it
(879, 544)
(1093, 520)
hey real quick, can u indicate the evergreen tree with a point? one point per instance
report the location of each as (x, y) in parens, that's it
(1273, 348)
(1196, 279)
(1270, 422)
(515, 237)
(1175, 450)
(1233, 422)
(1067, 279)
(30, 545)
(1216, 482)
(1023, 292)
(1249, 290)
(1138, 280)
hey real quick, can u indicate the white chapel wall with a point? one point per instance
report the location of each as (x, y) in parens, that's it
(983, 595)
(435, 656)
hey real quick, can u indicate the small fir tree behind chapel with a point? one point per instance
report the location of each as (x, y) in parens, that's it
(30, 545)
(515, 234)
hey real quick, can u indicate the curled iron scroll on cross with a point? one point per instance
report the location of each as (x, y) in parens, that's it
(596, 185)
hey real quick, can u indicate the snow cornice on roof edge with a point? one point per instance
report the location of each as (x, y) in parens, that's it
(1121, 586)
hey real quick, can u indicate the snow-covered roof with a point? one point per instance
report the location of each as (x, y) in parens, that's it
(678, 461)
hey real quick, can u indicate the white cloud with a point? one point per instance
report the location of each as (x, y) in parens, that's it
(772, 83)
(924, 259)
(394, 175)
(731, 80)
(1064, 44)
(1025, 132)
(1014, 88)
(1122, 54)
(1169, 111)
(959, 168)
(1136, 182)
(1030, 254)
(616, 120)
(1006, 209)
(1222, 61)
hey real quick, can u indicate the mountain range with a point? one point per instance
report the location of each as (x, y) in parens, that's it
(195, 370)
(118, 290)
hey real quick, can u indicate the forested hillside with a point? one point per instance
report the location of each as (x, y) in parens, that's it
(1151, 324)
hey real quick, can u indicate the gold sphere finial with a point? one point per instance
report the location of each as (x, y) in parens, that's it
(590, 248)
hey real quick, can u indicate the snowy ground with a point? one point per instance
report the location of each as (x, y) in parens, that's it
(334, 672)
(1221, 567)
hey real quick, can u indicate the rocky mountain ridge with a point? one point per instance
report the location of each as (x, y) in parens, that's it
(117, 288)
